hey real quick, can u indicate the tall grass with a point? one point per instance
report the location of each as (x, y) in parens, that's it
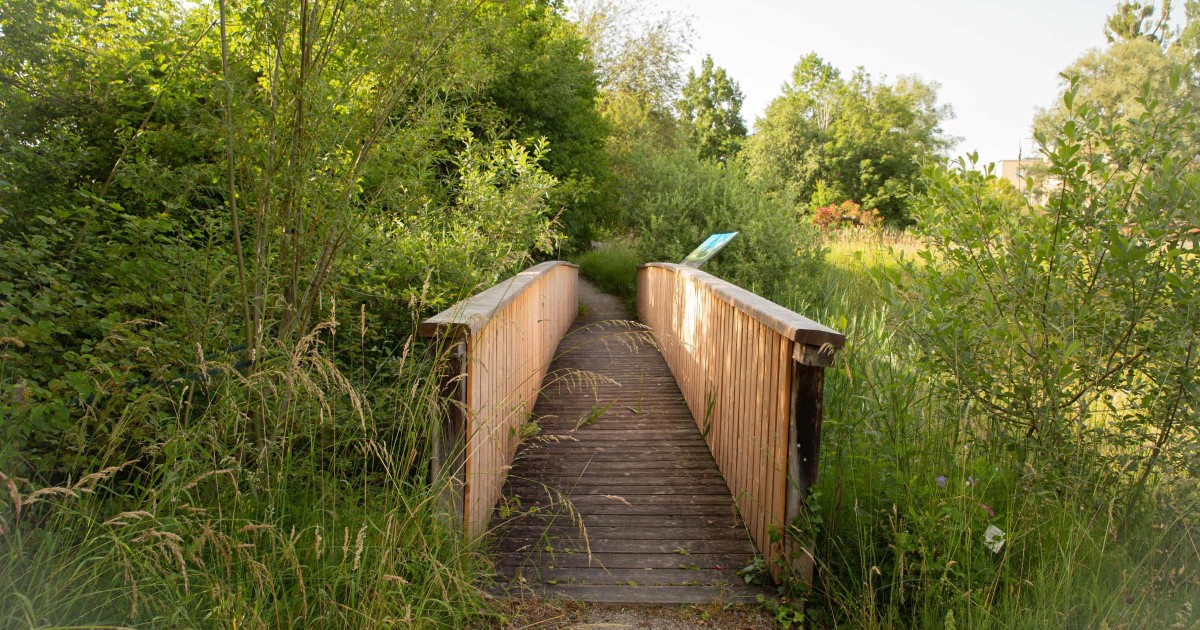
(613, 267)
(330, 521)
(910, 481)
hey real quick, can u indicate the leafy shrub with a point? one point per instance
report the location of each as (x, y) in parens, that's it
(912, 478)
(846, 214)
(1074, 325)
(673, 200)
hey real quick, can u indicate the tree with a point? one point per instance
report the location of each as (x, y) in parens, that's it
(829, 139)
(711, 111)
(1138, 59)
(1134, 20)
(638, 56)
(547, 86)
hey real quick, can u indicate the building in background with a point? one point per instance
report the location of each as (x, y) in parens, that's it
(1015, 171)
(1027, 174)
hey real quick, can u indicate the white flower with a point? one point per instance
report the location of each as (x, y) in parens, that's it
(993, 538)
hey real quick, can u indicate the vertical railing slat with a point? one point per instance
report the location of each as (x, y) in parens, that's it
(510, 338)
(743, 353)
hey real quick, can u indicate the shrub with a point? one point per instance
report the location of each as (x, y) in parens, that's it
(846, 214)
(673, 200)
(1074, 325)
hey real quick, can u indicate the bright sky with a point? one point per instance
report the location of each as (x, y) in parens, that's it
(996, 60)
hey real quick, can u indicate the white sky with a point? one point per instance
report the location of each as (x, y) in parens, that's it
(996, 61)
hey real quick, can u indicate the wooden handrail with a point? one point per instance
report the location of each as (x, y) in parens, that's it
(497, 346)
(752, 373)
(782, 320)
(470, 315)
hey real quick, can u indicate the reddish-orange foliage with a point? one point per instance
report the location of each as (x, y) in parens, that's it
(846, 214)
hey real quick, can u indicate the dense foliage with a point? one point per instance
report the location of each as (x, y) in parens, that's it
(830, 138)
(1014, 441)
(711, 112)
(1075, 324)
(218, 223)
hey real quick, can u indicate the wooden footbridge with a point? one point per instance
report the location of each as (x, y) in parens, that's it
(615, 461)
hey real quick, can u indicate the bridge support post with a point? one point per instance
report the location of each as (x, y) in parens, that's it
(804, 450)
(448, 460)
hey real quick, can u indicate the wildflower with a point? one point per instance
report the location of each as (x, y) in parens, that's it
(993, 538)
(989, 510)
(941, 481)
(970, 481)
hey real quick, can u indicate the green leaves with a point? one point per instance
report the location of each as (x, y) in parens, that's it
(829, 138)
(710, 111)
(1042, 313)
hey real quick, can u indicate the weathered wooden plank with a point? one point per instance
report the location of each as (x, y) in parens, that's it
(625, 560)
(650, 594)
(639, 521)
(676, 547)
(619, 431)
(573, 491)
(594, 480)
(639, 577)
(625, 531)
(636, 508)
(618, 455)
(551, 465)
(673, 497)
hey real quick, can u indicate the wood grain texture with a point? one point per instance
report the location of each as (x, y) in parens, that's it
(784, 321)
(511, 332)
(618, 499)
(472, 314)
(734, 356)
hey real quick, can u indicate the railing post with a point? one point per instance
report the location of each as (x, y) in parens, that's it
(450, 430)
(804, 448)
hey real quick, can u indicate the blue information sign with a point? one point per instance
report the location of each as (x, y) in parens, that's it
(708, 249)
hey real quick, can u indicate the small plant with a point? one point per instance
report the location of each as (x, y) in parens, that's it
(529, 430)
(757, 572)
(786, 613)
(595, 414)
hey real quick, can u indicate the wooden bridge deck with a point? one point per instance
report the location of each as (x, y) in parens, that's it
(618, 499)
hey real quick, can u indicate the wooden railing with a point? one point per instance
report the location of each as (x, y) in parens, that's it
(499, 344)
(752, 373)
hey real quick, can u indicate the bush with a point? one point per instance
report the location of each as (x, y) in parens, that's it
(613, 267)
(673, 200)
(1074, 325)
(912, 478)
(846, 214)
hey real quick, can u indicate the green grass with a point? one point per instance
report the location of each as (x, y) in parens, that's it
(332, 521)
(612, 268)
(911, 478)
